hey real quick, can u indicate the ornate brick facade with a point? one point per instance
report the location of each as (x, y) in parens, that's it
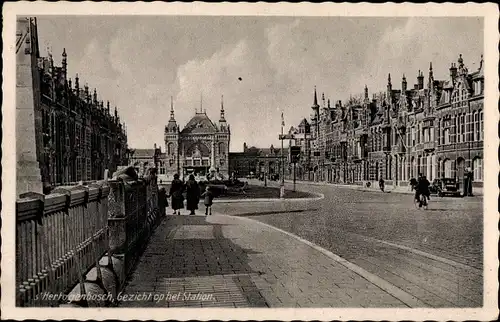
(434, 129)
(200, 147)
(76, 134)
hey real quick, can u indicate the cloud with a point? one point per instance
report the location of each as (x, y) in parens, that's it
(410, 47)
(137, 63)
(220, 75)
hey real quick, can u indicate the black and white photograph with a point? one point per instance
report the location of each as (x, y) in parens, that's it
(241, 160)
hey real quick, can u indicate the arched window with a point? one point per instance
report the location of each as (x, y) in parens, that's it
(481, 125)
(477, 128)
(462, 127)
(474, 124)
(447, 168)
(170, 148)
(222, 148)
(477, 169)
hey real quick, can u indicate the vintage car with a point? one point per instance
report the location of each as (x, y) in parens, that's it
(445, 186)
(274, 177)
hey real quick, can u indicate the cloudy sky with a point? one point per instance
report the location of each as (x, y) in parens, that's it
(138, 63)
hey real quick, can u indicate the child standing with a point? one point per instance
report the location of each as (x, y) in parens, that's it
(208, 200)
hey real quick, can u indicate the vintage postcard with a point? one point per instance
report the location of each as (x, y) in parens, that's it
(250, 161)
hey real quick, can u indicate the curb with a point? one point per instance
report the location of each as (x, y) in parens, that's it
(361, 188)
(406, 298)
(319, 196)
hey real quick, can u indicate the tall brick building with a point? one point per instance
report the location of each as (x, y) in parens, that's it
(434, 128)
(77, 136)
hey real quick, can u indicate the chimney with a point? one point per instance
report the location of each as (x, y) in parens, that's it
(77, 86)
(64, 63)
(453, 71)
(420, 80)
(404, 84)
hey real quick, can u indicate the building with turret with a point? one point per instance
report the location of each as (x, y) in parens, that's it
(435, 129)
(200, 147)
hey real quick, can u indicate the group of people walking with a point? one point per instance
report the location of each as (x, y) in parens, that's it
(191, 190)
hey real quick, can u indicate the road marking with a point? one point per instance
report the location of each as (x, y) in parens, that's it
(424, 254)
(408, 299)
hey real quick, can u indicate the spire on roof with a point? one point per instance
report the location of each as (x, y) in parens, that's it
(201, 102)
(315, 103)
(222, 116)
(172, 118)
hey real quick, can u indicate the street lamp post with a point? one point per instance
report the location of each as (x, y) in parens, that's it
(282, 186)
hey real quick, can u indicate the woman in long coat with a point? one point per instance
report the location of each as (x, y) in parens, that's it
(192, 194)
(176, 190)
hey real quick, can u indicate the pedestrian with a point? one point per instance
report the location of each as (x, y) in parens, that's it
(208, 200)
(413, 183)
(192, 194)
(162, 200)
(176, 192)
(381, 183)
(471, 179)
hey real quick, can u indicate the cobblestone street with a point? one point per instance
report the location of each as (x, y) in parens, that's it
(389, 254)
(234, 262)
(435, 255)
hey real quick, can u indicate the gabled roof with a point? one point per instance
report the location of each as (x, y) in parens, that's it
(143, 153)
(448, 84)
(199, 124)
(439, 84)
(396, 94)
(303, 122)
(465, 83)
(377, 119)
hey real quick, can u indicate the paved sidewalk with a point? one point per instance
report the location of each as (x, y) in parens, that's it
(478, 192)
(223, 261)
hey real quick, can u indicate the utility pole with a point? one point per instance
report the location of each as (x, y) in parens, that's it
(282, 187)
(294, 177)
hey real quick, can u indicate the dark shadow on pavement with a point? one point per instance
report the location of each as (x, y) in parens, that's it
(200, 252)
